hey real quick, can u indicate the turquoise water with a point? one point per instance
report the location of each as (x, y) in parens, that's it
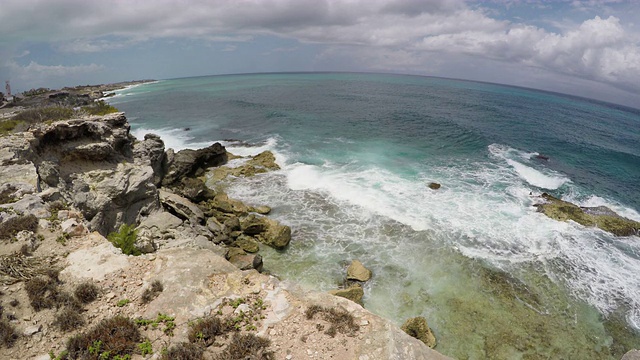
(494, 278)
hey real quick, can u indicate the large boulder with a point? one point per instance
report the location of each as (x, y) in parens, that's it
(357, 271)
(418, 328)
(601, 216)
(276, 235)
(182, 207)
(110, 198)
(150, 152)
(189, 162)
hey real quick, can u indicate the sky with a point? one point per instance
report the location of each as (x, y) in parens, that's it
(587, 48)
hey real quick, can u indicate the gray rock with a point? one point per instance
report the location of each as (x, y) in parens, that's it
(182, 207)
(214, 226)
(186, 162)
(151, 152)
(31, 204)
(247, 261)
(73, 227)
(32, 330)
(162, 221)
(631, 355)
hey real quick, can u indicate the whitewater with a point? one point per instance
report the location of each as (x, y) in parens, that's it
(495, 278)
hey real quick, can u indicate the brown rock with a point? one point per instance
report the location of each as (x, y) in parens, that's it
(357, 271)
(418, 328)
(434, 186)
(354, 293)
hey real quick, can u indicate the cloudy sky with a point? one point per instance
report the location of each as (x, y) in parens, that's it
(588, 48)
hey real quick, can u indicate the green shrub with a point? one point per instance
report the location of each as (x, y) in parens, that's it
(100, 108)
(7, 126)
(124, 240)
(42, 114)
(145, 348)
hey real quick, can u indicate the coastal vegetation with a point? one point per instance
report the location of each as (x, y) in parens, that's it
(125, 240)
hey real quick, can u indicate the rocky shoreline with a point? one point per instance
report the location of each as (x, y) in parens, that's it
(72, 189)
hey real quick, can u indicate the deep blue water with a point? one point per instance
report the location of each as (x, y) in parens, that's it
(357, 151)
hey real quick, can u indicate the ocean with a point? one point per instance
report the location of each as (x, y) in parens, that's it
(494, 278)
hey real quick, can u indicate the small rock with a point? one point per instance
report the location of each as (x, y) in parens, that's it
(247, 243)
(289, 357)
(434, 186)
(242, 308)
(32, 330)
(418, 328)
(354, 294)
(357, 271)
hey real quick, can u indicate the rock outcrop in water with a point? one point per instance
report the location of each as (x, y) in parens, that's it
(601, 216)
(91, 174)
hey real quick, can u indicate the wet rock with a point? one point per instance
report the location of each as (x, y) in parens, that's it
(253, 225)
(357, 271)
(354, 293)
(265, 159)
(434, 186)
(418, 328)
(232, 224)
(601, 216)
(276, 235)
(247, 243)
(262, 210)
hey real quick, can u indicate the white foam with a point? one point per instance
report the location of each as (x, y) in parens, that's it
(537, 178)
(176, 139)
(595, 201)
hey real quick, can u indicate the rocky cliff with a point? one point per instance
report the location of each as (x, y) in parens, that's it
(66, 185)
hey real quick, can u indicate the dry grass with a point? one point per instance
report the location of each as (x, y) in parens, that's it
(86, 292)
(68, 319)
(117, 336)
(247, 347)
(8, 334)
(206, 330)
(43, 292)
(152, 292)
(340, 320)
(184, 351)
(17, 267)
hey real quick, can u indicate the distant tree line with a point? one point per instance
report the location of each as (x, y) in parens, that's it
(34, 92)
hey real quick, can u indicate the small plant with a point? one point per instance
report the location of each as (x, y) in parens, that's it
(206, 330)
(168, 321)
(86, 292)
(43, 292)
(184, 351)
(152, 292)
(62, 239)
(112, 338)
(237, 302)
(123, 302)
(12, 226)
(55, 207)
(7, 126)
(42, 114)
(68, 319)
(8, 334)
(64, 355)
(145, 348)
(125, 240)
(100, 108)
(247, 346)
(339, 320)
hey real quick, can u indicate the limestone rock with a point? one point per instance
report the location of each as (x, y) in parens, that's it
(276, 235)
(631, 355)
(193, 189)
(247, 243)
(601, 216)
(262, 210)
(187, 162)
(247, 261)
(354, 293)
(182, 207)
(253, 225)
(419, 329)
(357, 271)
(151, 152)
(214, 226)
(265, 159)
(232, 224)
(73, 227)
(31, 204)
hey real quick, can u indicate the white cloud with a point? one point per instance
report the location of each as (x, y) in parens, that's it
(381, 33)
(35, 74)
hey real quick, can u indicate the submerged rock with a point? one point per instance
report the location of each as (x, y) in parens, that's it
(357, 271)
(418, 328)
(354, 293)
(601, 216)
(434, 186)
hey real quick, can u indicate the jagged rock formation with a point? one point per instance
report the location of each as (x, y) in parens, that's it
(601, 216)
